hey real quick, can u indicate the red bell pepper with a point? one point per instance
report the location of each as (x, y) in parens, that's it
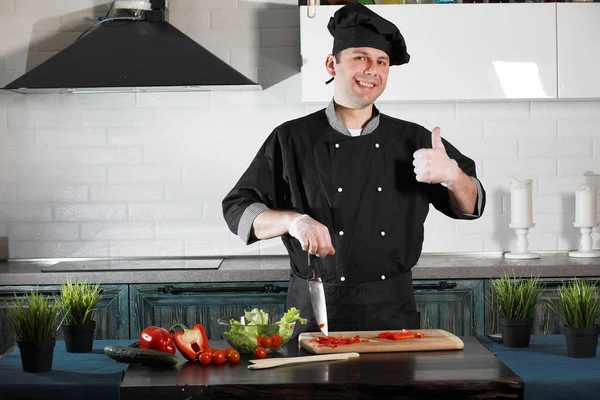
(155, 338)
(190, 342)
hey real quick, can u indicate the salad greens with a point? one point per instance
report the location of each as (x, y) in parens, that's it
(242, 334)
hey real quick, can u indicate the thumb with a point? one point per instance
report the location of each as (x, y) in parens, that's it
(436, 139)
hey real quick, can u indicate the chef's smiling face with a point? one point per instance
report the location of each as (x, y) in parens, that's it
(360, 76)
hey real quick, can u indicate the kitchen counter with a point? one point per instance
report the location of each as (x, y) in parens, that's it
(276, 268)
(473, 372)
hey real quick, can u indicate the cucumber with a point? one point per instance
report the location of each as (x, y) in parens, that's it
(132, 355)
(135, 344)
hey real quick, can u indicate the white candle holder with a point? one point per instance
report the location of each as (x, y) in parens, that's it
(586, 243)
(522, 243)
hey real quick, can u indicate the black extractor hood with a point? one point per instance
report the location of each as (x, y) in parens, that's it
(133, 49)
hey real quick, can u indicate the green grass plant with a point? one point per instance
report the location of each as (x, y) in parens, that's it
(79, 301)
(516, 298)
(578, 304)
(33, 316)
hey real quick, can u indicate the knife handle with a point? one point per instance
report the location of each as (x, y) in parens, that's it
(312, 265)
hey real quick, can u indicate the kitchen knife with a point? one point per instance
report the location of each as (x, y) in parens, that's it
(317, 297)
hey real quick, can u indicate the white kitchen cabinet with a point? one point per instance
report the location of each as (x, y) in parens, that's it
(458, 52)
(578, 30)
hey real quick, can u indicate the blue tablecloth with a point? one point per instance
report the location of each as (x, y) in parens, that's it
(74, 375)
(547, 372)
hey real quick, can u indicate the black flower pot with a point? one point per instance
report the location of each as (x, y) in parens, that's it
(516, 332)
(79, 338)
(37, 356)
(581, 342)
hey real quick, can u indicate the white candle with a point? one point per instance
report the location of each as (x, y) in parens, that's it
(585, 206)
(521, 202)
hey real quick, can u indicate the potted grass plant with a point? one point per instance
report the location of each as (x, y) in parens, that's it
(578, 307)
(79, 301)
(34, 318)
(516, 299)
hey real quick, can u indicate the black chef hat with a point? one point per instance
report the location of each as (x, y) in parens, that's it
(355, 25)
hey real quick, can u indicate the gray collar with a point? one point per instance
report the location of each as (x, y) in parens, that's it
(339, 126)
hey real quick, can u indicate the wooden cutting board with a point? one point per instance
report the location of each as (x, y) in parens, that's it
(435, 339)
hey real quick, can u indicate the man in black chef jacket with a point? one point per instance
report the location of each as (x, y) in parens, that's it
(353, 187)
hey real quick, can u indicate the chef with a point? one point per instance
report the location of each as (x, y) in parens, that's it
(353, 186)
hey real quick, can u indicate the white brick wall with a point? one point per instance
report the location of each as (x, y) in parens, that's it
(143, 174)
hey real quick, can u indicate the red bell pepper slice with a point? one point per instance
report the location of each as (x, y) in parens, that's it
(333, 341)
(403, 334)
(156, 338)
(190, 342)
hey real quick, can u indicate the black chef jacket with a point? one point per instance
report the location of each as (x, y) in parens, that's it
(362, 188)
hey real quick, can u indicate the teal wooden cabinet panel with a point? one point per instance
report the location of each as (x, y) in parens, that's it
(201, 303)
(545, 321)
(456, 306)
(112, 315)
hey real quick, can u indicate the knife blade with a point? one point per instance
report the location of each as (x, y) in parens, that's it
(317, 297)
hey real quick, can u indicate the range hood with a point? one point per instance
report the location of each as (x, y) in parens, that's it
(133, 50)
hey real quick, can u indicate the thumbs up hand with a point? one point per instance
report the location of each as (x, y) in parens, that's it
(433, 165)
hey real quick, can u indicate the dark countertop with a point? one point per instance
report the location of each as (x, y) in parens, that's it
(473, 372)
(276, 268)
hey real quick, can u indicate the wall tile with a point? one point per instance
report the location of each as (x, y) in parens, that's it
(492, 110)
(76, 156)
(579, 128)
(577, 165)
(191, 5)
(90, 212)
(58, 174)
(7, 7)
(43, 231)
(152, 248)
(52, 193)
(157, 136)
(69, 137)
(264, 19)
(58, 249)
(127, 192)
(175, 99)
(130, 117)
(521, 129)
(555, 148)
(190, 19)
(565, 109)
(508, 167)
(129, 230)
(25, 212)
(165, 211)
(144, 173)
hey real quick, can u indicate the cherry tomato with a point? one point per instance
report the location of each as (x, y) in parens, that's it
(233, 356)
(205, 357)
(213, 350)
(260, 353)
(229, 350)
(219, 357)
(276, 340)
(266, 341)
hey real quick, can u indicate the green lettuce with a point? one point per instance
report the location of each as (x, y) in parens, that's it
(293, 314)
(256, 317)
(243, 336)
